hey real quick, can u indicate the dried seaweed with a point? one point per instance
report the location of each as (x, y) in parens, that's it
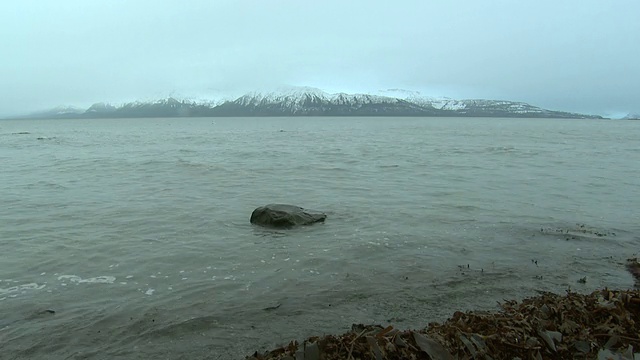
(601, 325)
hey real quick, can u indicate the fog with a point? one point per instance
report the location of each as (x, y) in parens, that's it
(563, 55)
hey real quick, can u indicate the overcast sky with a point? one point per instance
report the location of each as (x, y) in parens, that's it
(576, 55)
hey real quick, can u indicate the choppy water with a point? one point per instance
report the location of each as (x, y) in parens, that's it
(136, 232)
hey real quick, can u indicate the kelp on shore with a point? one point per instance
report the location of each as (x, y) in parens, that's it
(601, 325)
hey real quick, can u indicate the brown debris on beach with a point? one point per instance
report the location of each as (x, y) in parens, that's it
(602, 325)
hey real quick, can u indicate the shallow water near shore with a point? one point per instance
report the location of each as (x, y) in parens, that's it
(136, 232)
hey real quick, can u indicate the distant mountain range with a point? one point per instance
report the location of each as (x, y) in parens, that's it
(306, 101)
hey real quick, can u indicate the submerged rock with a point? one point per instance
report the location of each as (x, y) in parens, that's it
(285, 216)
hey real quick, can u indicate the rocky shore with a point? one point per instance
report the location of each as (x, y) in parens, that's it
(602, 325)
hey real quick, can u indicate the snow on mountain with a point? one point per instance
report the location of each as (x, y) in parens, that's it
(297, 98)
(292, 99)
(169, 102)
(466, 105)
(63, 109)
(100, 108)
(207, 102)
(342, 98)
(439, 103)
(313, 101)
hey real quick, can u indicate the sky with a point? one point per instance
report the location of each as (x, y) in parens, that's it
(572, 55)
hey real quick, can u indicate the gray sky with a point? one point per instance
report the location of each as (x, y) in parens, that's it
(575, 55)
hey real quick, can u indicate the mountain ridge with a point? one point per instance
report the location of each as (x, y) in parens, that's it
(307, 101)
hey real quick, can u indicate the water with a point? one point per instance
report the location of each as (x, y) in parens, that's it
(136, 232)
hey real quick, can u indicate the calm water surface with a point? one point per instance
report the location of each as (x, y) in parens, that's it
(136, 232)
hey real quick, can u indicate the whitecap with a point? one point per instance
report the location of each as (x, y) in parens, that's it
(94, 280)
(21, 288)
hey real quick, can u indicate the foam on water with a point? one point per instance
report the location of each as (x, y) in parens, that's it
(16, 290)
(93, 280)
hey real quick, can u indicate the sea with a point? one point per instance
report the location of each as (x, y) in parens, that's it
(130, 238)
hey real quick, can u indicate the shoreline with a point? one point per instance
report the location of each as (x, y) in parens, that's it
(545, 326)
(592, 326)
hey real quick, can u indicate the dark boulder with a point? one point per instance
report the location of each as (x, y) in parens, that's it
(285, 216)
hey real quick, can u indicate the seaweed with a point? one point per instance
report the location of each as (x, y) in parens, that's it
(600, 325)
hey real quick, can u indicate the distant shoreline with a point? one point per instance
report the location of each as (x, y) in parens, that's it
(299, 102)
(307, 116)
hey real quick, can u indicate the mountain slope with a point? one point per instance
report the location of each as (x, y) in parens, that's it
(169, 107)
(57, 112)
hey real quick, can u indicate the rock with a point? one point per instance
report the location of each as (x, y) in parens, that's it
(633, 266)
(285, 216)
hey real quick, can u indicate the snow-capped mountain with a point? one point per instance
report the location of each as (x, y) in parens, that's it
(479, 107)
(314, 102)
(100, 108)
(305, 101)
(632, 117)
